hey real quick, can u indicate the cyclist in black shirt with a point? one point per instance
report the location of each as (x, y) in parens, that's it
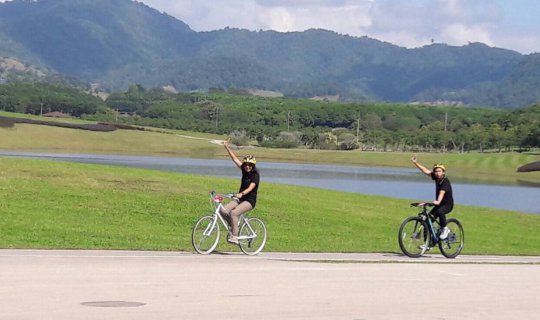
(247, 194)
(444, 200)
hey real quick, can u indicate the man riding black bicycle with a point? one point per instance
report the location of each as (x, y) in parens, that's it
(444, 201)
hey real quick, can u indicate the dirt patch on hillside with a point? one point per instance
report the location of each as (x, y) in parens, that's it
(9, 64)
(266, 93)
(10, 122)
(6, 122)
(529, 167)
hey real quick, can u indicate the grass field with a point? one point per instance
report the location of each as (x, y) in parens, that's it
(487, 167)
(38, 138)
(47, 204)
(493, 167)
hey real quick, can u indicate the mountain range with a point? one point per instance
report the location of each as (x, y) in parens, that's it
(116, 43)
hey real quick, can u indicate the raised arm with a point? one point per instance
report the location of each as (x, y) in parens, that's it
(420, 167)
(231, 154)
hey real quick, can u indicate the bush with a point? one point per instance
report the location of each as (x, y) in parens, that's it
(239, 138)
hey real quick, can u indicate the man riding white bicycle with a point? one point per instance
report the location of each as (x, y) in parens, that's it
(247, 194)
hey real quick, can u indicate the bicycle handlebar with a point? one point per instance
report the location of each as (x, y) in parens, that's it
(215, 195)
(417, 204)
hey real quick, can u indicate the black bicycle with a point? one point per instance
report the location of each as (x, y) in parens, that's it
(418, 234)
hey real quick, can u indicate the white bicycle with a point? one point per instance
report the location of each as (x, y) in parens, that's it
(205, 235)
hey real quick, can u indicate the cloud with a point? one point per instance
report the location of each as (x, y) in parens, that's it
(462, 34)
(416, 23)
(525, 42)
(346, 19)
(408, 23)
(301, 3)
(279, 19)
(342, 16)
(203, 15)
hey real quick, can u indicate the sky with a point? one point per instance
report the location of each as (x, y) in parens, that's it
(509, 24)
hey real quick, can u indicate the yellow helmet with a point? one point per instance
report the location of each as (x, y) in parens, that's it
(439, 165)
(249, 159)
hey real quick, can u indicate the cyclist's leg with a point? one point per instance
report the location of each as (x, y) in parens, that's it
(440, 214)
(235, 214)
(442, 218)
(225, 213)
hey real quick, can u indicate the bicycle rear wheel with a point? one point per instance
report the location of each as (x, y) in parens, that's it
(205, 235)
(413, 237)
(252, 236)
(453, 244)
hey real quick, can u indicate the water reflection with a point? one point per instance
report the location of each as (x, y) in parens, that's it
(392, 182)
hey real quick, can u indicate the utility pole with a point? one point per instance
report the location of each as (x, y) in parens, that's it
(445, 125)
(358, 127)
(288, 117)
(217, 115)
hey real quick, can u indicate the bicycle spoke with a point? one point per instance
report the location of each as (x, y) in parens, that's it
(252, 236)
(451, 247)
(205, 235)
(413, 237)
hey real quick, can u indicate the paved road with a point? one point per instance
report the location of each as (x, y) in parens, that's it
(74, 285)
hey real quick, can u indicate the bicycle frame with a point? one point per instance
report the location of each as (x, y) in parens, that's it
(217, 200)
(433, 234)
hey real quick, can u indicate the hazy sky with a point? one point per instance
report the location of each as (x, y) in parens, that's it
(511, 24)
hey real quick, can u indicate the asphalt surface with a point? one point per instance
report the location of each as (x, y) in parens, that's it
(71, 284)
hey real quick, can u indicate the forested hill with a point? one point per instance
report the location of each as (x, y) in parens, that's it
(121, 42)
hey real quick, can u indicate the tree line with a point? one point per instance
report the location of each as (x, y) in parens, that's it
(291, 123)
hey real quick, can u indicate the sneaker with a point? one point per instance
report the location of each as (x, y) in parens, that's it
(424, 247)
(444, 233)
(232, 239)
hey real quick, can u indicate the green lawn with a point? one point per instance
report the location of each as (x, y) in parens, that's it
(47, 204)
(487, 167)
(40, 138)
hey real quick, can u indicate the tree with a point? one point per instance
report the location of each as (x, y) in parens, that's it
(347, 141)
(372, 121)
(239, 138)
(287, 139)
(210, 110)
(478, 137)
(495, 136)
(327, 140)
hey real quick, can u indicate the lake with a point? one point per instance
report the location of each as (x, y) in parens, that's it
(392, 182)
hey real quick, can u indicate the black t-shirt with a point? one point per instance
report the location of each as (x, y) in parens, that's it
(247, 179)
(444, 184)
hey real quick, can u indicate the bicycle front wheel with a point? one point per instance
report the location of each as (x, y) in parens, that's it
(413, 237)
(252, 236)
(453, 244)
(205, 235)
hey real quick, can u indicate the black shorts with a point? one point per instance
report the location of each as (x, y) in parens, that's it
(436, 211)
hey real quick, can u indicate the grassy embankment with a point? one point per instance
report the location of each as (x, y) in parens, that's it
(47, 204)
(493, 167)
(62, 205)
